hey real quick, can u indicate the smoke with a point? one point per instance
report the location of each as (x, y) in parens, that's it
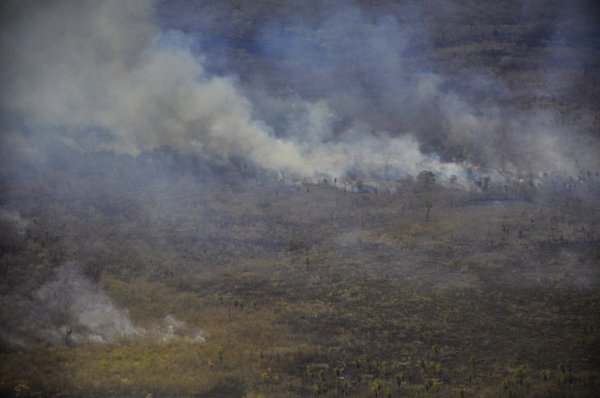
(70, 309)
(12, 223)
(348, 90)
(175, 329)
(372, 69)
(78, 69)
(67, 309)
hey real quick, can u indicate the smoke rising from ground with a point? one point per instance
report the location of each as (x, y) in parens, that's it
(367, 66)
(70, 309)
(67, 309)
(103, 75)
(82, 70)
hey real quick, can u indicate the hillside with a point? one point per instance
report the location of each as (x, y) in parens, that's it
(300, 199)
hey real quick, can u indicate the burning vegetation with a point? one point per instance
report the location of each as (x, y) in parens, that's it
(253, 199)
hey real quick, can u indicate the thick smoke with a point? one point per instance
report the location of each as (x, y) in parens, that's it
(77, 69)
(347, 92)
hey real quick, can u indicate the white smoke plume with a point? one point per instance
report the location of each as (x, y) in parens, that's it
(103, 75)
(69, 309)
(80, 67)
(89, 312)
(105, 66)
(381, 99)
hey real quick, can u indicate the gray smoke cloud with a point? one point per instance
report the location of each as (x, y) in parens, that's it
(66, 309)
(69, 309)
(105, 75)
(76, 68)
(368, 67)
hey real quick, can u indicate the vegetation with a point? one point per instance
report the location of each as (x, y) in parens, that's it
(494, 295)
(360, 288)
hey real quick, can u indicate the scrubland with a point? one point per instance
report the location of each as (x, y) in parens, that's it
(213, 273)
(310, 290)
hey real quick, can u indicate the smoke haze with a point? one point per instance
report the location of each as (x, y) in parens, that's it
(350, 91)
(66, 309)
(297, 198)
(70, 309)
(103, 68)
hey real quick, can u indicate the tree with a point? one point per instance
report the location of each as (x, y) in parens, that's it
(265, 376)
(428, 206)
(519, 373)
(376, 387)
(426, 179)
(306, 260)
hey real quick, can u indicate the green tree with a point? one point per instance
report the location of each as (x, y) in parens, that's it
(519, 373)
(376, 387)
(428, 206)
